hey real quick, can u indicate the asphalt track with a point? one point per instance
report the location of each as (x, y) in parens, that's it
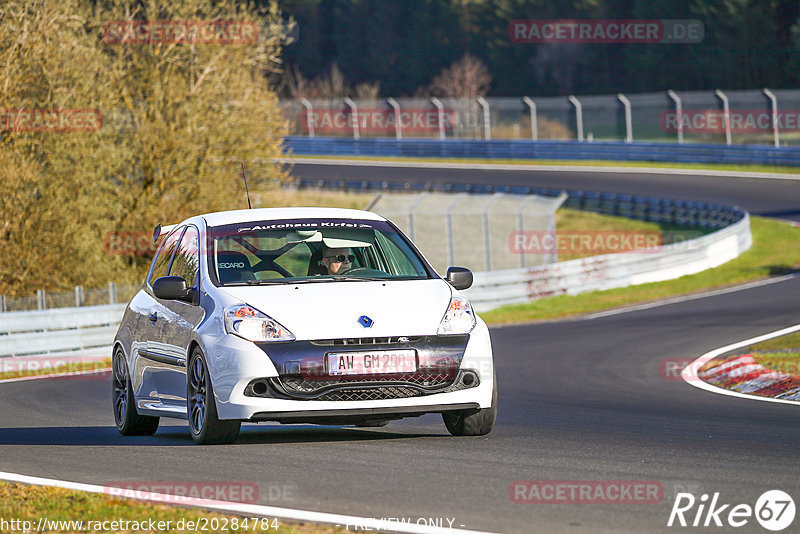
(579, 400)
(769, 198)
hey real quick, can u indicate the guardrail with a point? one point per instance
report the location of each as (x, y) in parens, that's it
(495, 288)
(59, 332)
(527, 149)
(653, 209)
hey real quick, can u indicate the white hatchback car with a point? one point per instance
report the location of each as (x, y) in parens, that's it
(298, 315)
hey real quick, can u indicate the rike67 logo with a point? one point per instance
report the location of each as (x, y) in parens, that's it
(774, 510)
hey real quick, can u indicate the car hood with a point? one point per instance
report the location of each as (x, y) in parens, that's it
(330, 310)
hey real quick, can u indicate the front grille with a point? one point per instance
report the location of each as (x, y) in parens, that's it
(356, 341)
(355, 391)
(304, 386)
(363, 394)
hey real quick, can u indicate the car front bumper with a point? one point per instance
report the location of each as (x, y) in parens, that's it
(235, 363)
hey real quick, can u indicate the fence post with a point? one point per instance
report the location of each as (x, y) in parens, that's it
(354, 117)
(520, 227)
(440, 114)
(628, 118)
(41, 302)
(3, 307)
(78, 297)
(487, 125)
(398, 128)
(112, 293)
(309, 113)
(578, 115)
(678, 113)
(726, 111)
(449, 228)
(774, 101)
(486, 233)
(411, 214)
(534, 125)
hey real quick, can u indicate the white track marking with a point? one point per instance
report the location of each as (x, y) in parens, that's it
(690, 372)
(534, 167)
(655, 304)
(246, 510)
(685, 298)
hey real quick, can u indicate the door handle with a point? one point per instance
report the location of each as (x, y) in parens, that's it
(154, 317)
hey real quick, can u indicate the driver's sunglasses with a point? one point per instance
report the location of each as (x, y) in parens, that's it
(341, 258)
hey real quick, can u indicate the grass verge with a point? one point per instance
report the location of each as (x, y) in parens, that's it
(780, 353)
(775, 251)
(576, 222)
(581, 163)
(31, 503)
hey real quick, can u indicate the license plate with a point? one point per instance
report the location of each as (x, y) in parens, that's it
(372, 363)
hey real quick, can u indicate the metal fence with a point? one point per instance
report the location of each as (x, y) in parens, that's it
(719, 116)
(79, 297)
(471, 230)
(609, 271)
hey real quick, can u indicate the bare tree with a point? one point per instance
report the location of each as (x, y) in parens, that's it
(368, 91)
(466, 78)
(296, 85)
(332, 85)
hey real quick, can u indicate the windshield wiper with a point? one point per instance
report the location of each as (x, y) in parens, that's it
(345, 278)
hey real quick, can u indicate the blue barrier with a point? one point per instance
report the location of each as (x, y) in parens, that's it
(653, 209)
(528, 149)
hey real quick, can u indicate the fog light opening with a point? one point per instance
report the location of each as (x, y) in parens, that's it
(260, 388)
(468, 379)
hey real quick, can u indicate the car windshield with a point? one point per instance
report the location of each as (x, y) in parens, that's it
(311, 250)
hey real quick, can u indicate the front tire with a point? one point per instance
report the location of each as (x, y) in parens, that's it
(127, 419)
(207, 428)
(473, 422)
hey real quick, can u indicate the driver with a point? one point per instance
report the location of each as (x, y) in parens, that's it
(337, 260)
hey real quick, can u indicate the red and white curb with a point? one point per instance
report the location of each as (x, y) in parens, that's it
(691, 372)
(354, 523)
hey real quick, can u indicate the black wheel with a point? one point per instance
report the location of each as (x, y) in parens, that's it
(128, 420)
(206, 426)
(473, 422)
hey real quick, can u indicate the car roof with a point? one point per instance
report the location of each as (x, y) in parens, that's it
(221, 218)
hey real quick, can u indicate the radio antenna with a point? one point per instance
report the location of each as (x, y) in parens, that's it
(247, 191)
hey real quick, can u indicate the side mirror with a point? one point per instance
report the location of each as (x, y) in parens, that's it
(172, 288)
(459, 277)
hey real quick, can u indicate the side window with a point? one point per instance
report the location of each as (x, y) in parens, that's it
(187, 257)
(399, 263)
(161, 261)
